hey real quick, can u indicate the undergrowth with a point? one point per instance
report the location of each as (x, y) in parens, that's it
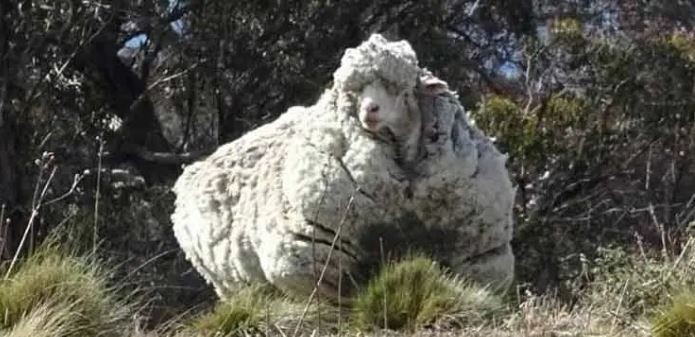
(416, 293)
(630, 293)
(70, 294)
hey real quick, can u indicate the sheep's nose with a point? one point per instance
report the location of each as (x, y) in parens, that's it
(372, 108)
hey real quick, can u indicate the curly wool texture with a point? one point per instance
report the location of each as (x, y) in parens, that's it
(269, 206)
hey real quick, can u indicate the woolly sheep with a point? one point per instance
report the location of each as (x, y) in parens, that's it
(392, 116)
(270, 206)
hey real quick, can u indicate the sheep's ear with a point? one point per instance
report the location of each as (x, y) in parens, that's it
(434, 86)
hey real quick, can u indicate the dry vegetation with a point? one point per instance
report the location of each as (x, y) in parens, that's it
(57, 293)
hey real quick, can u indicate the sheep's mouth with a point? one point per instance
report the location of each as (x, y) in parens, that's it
(371, 124)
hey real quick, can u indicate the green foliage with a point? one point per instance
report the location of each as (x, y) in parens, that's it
(530, 135)
(257, 308)
(678, 318)
(416, 293)
(502, 118)
(55, 288)
(684, 43)
(244, 313)
(593, 135)
(639, 281)
(48, 320)
(567, 28)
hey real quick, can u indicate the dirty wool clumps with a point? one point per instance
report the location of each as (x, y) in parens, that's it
(316, 191)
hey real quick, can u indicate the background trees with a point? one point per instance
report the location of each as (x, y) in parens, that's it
(592, 99)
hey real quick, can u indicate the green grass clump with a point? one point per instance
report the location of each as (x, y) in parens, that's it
(55, 288)
(416, 293)
(246, 312)
(678, 318)
(48, 319)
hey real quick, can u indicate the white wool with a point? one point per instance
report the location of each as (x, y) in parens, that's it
(267, 206)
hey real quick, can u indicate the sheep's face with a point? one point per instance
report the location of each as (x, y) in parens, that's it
(380, 108)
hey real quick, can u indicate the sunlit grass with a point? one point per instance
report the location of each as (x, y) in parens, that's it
(416, 293)
(53, 287)
(677, 319)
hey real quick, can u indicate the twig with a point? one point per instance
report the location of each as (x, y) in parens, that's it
(32, 218)
(328, 259)
(165, 158)
(473, 8)
(383, 266)
(672, 269)
(96, 197)
(171, 77)
(313, 243)
(648, 169)
(44, 190)
(150, 260)
(78, 178)
(267, 316)
(619, 307)
(3, 236)
(340, 297)
(661, 230)
(314, 270)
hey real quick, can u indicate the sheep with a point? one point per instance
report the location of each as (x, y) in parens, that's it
(396, 117)
(391, 117)
(319, 191)
(463, 165)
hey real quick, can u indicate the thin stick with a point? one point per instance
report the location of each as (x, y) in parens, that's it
(96, 198)
(316, 279)
(30, 223)
(3, 236)
(328, 259)
(76, 181)
(313, 245)
(340, 297)
(267, 316)
(383, 266)
(149, 261)
(35, 196)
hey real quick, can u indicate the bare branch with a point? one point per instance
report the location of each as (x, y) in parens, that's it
(165, 158)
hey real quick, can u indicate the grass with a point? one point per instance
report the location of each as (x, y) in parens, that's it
(416, 293)
(677, 319)
(46, 320)
(247, 312)
(58, 294)
(260, 309)
(56, 289)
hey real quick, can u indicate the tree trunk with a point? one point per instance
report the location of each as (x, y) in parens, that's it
(141, 128)
(10, 198)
